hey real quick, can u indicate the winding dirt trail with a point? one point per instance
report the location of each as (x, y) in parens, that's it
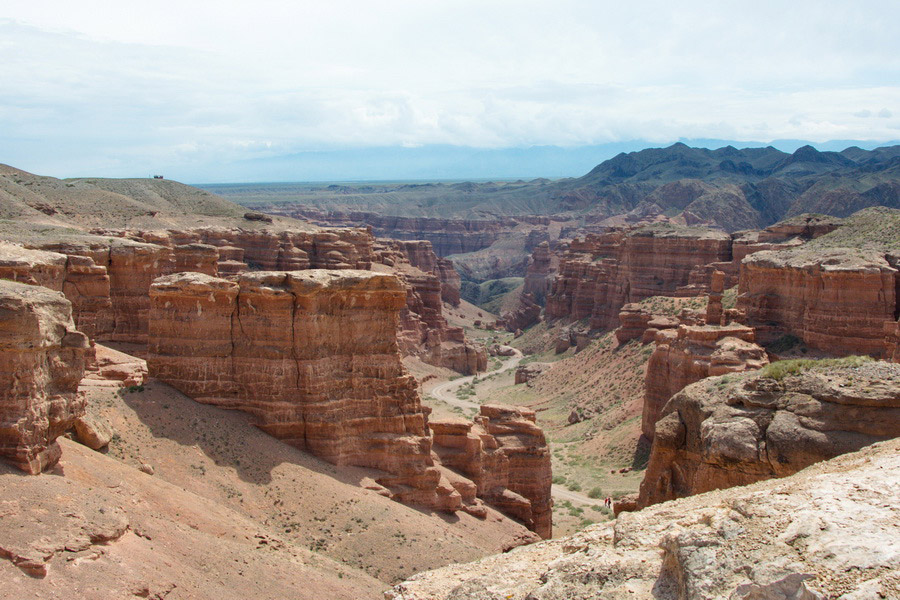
(446, 392)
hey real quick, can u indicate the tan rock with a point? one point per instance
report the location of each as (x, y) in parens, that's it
(41, 363)
(738, 429)
(690, 353)
(827, 532)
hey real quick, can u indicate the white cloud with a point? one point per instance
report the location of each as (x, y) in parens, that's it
(96, 85)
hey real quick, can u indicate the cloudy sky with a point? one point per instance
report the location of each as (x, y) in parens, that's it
(197, 87)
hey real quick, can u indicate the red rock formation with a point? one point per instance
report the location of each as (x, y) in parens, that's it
(424, 332)
(41, 363)
(541, 267)
(34, 267)
(714, 312)
(505, 454)
(313, 356)
(199, 258)
(689, 354)
(86, 284)
(527, 313)
(447, 236)
(601, 273)
(834, 299)
(273, 249)
(741, 429)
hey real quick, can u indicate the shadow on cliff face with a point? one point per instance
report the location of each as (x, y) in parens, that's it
(226, 438)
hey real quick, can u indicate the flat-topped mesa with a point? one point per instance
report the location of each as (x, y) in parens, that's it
(602, 272)
(783, 235)
(835, 299)
(41, 363)
(690, 353)
(506, 456)
(739, 429)
(312, 355)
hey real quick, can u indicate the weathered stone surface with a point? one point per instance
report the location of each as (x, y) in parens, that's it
(834, 299)
(525, 373)
(271, 249)
(312, 355)
(526, 314)
(41, 363)
(34, 267)
(601, 273)
(87, 284)
(424, 332)
(691, 353)
(506, 456)
(740, 429)
(199, 258)
(830, 531)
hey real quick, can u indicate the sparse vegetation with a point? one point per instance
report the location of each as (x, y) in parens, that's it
(784, 368)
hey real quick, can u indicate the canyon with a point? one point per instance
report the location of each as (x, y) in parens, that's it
(275, 373)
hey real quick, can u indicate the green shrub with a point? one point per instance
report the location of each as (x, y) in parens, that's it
(595, 492)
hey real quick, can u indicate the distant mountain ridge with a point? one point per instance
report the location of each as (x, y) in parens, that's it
(729, 187)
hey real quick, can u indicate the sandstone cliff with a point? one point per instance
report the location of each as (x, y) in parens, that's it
(738, 429)
(41, 363)
(313, 355)
(690, 353)
(424, 331)
(834, 299)
(506, 456)
(602, 272)
(827, 532)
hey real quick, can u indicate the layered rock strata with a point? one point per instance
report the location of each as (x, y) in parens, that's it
(506, 456)
(602, 272)
(313, 356)
(264, 249)
(447, 236)
(424, 332)
(735, 430)
(828, 532)
(41, 363)
(690, 353)
(834, 299)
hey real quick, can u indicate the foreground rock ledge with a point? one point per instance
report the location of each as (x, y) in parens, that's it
(830, 531)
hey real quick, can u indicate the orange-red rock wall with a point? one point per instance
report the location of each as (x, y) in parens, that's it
(42, 360)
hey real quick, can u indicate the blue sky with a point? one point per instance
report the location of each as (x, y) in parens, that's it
(190, 88)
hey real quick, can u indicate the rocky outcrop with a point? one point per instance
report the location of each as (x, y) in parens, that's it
(312, 355)
(834, 299)
(198, 258)
(637, 322)
(828, 532)
(690, 353)
(525, 373)
(526, 314)
(602, 272)
(34, 267)
(735, 430)
(424, 332)
(41, 363)
(506, 456)
(541, 267)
